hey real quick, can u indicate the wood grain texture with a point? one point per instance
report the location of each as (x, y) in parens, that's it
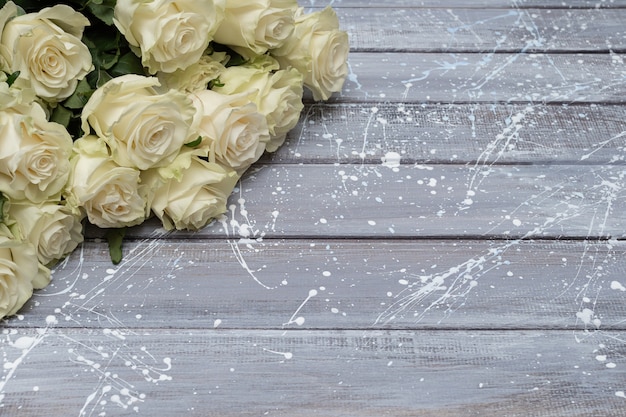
(446, 237)
(456, 134)
(484, 78)
(422, 201)
(485, 30)
(308, 373)
(338, 284)
(480, 4)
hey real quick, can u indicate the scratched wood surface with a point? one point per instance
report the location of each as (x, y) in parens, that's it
(446, 237)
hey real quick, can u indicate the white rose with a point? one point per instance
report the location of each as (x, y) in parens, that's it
(168, 34)
(319, 50)
(197, 76)
(142, 127)
(256, 26)
(198, 197)
(277, 94)
(34, 155)
(18, 96)
(232, 130)
(110, 195)
(20, 272)
(46, 48)
(51, 228)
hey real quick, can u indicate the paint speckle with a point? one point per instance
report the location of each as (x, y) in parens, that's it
(391, 160)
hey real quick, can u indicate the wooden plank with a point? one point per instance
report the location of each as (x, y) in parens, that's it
(484, 78)
(484, 30)
(330, 373)
(349, 134)
(338, 284)
(422, 201)
(481, 4)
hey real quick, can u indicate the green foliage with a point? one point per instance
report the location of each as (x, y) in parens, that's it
(115, 238)
(194, 143)
(3, 200)
(12, 77)
(215, 83)
(102, 9)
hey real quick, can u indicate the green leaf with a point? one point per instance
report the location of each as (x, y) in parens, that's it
(11, 78)
(115, 238)
(216, 83)
(80, 96)
(103, 10)
(103, 45)
(3, 200)
(129, 63)
(61, 115)
(194, 143)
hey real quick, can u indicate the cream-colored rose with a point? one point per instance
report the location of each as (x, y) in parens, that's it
(46, 48)
(18, 96)
(319, 50)
(195, 77)
(34, 155)
(20, 272)
(256, 26)
(196, 199)
(110, 195)
(168, 34)
(142, 127)
(233, 132)
(277, 94)
(51, 228)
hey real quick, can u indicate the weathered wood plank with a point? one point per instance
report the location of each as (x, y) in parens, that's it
(484, 30)
(484, 78)
(481, 4)
(422, 201)
(346, 133)
(329, 373)
(338, 284)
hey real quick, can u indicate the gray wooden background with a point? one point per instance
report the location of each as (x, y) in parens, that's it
(443, 238)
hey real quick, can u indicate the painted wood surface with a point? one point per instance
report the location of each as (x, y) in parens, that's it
(445, 237)
(339, 284)
(481, 4)
(448, 30)
(311, 373)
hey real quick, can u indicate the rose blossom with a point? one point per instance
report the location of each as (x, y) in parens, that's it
(46, 48)
(232, 130)
(110, 195)
(277, 94)
(142, 127)
(319, 50)
(256, 26)
(34, 154)
(168, 34)
(17, 96)
(193, 201)
(197, 76)
(51, 228)
(20, 272)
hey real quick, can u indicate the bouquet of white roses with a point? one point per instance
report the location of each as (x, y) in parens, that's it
(117, 110)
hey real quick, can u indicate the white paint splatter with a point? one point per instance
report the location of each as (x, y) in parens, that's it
(391, 160)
